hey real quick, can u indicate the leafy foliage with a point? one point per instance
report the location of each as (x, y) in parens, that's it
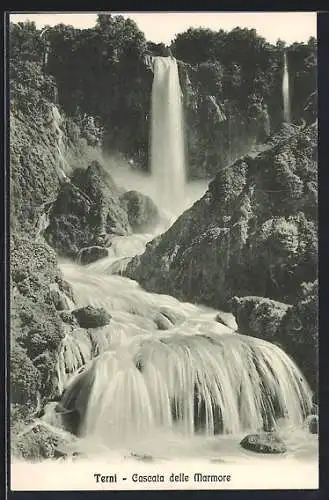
(101, 72)
(24, 378)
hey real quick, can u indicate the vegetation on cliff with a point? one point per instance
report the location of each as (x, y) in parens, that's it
(231, 83)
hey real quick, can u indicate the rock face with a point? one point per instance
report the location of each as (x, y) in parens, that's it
(86, 209)
(91, 317)
(36, 327)
(33, 154)
(39, 182)
(25, 379)
(264, 443)
(143, 214)
(313, 424)
(254, 232)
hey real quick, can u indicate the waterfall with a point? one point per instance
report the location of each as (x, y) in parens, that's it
(286, 90)
(56, 124)
(190, 375)
(209, 384)
(167, 135)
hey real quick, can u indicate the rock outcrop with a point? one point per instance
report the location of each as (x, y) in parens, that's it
(40, 144)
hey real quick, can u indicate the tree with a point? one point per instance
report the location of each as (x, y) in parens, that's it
(195, 45)
(25, 42)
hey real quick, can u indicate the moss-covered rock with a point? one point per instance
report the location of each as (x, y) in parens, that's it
(24, 380)
(68, 317)
(299, 331)
(34, 158)
(44, 146)
(58, 298)
(91, 317)
(36, 327)
(64, 286)
(258, 316)
(98, 185)
(39, 442)
(313, 424)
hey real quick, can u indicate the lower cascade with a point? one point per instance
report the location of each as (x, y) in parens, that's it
(215, 384)
(190, 376)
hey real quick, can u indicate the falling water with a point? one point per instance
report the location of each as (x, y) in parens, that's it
(163, 371)
(56, 124)
(286, 90)
(167, 134)
(192, 383)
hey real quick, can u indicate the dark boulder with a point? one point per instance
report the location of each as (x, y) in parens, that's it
(92, 254)
(107, 214)
(91, 317)
(267, 442)
(142, 457)
(143, 214)
(70, 226)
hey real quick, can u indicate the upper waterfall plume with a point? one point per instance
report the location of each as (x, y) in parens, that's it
(167, 134)
(286, 90)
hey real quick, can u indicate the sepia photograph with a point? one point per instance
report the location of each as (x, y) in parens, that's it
(163, 250)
